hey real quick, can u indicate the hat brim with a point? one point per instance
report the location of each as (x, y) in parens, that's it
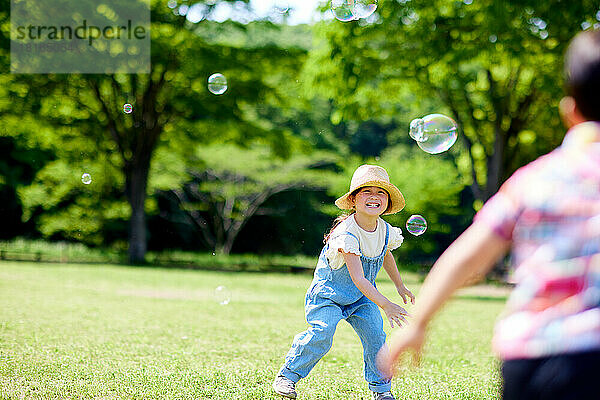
(395, 197)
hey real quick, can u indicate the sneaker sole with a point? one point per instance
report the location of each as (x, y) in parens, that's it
(288, 395)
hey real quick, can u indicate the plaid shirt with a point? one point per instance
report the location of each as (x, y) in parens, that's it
(550, 211)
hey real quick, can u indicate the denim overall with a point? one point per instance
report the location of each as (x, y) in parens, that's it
(332, 297)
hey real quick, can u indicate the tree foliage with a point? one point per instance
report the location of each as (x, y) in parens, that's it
(171, 107)
(233, 184)
(495, 67)
(303, 108)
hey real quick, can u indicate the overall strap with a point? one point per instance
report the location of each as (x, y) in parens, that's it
(336, 236)
(387, 233)
(346, 233)
(387, 237)
(354, 236)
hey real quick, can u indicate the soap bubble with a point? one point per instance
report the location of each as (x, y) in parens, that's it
(416, 225)
(364, 8)
(417, 126)
(434, 133)
(127, 108)
(86, 179)
(222, 295)
(343, 10)
(217, 83)
(348, 10)
(281, 6)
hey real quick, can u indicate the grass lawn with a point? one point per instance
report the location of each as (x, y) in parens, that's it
(114, 332)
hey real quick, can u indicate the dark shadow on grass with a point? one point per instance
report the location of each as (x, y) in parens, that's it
(228, 268)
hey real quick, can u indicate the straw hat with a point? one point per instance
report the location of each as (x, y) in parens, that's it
(372, 175)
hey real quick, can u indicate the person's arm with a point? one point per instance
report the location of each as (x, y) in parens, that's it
(394, 312)
(389, 264)
(472, 254)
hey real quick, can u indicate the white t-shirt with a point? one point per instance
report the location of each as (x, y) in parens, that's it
(371, 243)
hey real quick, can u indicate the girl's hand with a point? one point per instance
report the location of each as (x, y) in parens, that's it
(395, 313)
(404, 293)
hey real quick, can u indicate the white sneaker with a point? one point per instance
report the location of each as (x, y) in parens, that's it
(383, 396)
(284, 387)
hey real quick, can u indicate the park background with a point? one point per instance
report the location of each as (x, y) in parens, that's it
(256, 169)
(246, 181)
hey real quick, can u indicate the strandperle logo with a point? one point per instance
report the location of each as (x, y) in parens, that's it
(83, 31)
(80, 36)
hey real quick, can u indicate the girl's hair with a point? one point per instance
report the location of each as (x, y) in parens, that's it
(336, 222)
(339, 219)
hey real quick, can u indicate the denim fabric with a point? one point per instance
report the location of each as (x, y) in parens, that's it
(332, 297)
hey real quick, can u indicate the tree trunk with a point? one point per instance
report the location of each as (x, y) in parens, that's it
(136, 181)
(221, 249)
(136, 146)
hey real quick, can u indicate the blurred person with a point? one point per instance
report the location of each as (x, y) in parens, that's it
(547, 216)
(356, 248)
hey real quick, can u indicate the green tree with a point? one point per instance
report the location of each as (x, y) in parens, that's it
(172, 109)
(495, 67)
(19, 164)
(233, 185)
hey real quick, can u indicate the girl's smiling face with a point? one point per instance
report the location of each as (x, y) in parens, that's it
(371, 200)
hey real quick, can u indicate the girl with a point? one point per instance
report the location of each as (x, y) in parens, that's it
(343, 287)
